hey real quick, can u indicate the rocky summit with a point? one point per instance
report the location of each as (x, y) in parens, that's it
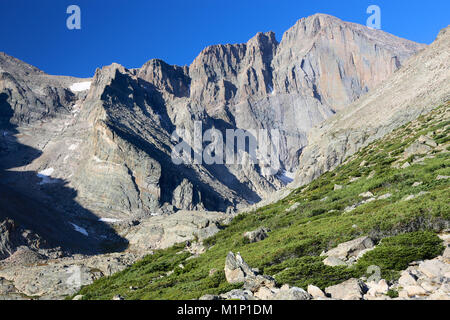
(90, 185)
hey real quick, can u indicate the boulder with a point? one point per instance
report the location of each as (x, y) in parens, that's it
(416, 148)
(413, 291)
(378, 288)
(255, 282)
(236, 269)
(351, 248)
(257, 235)
(366, 195)
(291, 293)
(238, 294)
(434, 268)
(407, 279)
(265, 293)
(352, 289)
(333, 262)
(428, 141)
(316, 292)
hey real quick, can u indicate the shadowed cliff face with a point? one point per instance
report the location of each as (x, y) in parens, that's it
(42, 216)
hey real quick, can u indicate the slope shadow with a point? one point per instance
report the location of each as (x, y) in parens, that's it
(48, 209)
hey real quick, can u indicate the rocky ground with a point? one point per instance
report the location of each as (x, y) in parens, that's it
(423, 280)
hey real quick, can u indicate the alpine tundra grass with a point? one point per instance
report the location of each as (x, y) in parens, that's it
(409, 206)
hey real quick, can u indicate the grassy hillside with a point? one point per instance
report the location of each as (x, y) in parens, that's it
(317, 218)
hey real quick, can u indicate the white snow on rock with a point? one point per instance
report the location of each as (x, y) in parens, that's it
(80, 86)
(73, 147)
(109, 220)
(79, 229)
(45, 176)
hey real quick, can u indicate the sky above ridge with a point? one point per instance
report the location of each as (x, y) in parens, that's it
(133, 32)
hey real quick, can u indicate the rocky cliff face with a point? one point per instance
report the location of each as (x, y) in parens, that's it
(421, 85)
(101, 147)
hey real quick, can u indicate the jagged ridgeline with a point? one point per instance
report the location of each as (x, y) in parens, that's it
(394, 191)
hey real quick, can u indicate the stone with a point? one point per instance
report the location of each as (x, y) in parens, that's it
(434, 268)
(446, 254)
(350, 248)
(414, 291)
(78, 297)
(265, 293)
(429, 286)
(439, 295)
(257, 235)
(315, 292)
(333, 261)
(352, 289)
(428, 141)
(118, 297)
(379, 288)
(255, 282)
(416, 184)
(337, 187)
(366, 195)
(291, 293)
(416, 148)
(405, 165)
(407, 279)
(440, 177)
(238, 294)
(236, 270)
(161, 232)
(385, 196)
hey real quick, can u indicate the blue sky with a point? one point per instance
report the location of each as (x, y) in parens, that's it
(133, 32)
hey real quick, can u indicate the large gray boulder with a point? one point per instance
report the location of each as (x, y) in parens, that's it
(349, 249)
(291, 293)
(236, 269)
(352, 289)
(257, 235)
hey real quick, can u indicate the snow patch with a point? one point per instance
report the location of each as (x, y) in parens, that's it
(80, 229)
(109, 220)
(80, 86)
(73, 147)
(44, 175)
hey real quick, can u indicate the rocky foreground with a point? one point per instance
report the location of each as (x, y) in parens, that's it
(423, 280)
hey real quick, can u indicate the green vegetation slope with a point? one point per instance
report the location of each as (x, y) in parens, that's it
(409, 204)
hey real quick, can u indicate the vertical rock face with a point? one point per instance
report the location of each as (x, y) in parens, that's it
(335, 61)
(227, 74)
(171, 79)
(112, 141)
(421, 85)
